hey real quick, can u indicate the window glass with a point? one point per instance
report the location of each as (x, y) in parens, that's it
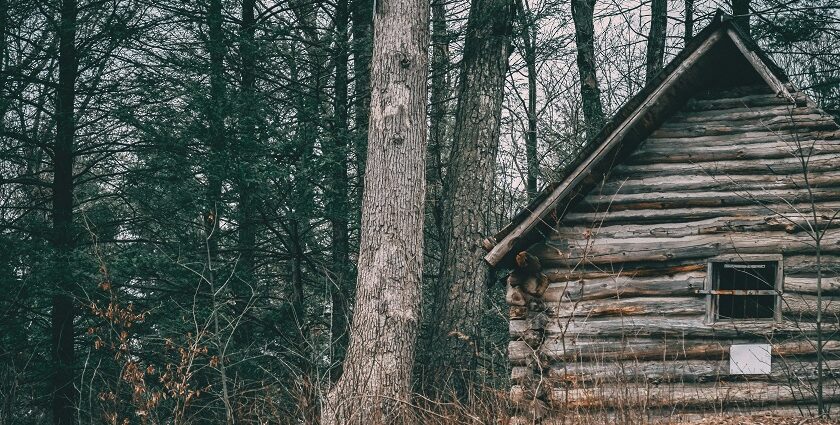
(757, 275)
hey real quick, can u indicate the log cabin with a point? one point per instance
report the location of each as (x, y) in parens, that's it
(692, 251)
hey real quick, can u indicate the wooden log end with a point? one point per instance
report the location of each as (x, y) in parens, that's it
(488, 243)
(518, 312)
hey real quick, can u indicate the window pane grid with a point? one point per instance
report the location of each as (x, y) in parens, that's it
(744, 290)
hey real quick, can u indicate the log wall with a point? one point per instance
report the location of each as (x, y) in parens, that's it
(622, 321)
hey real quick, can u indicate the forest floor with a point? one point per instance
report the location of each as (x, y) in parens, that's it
(764, 419)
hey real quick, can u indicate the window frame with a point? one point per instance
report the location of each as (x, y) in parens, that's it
(712, 295)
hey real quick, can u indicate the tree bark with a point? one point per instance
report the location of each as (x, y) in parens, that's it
(64, 395)
(468, 188)
(656, 37)
(375, 385)
(688, 33)
(741, 13)
(529, 43)
(590, 93)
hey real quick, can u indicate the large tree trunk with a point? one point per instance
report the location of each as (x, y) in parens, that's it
(741, 13)
(468, 188)
(529, 44)
(590, 93)
(375, 385)
(64, 395)
(656, 37)
(338, 211)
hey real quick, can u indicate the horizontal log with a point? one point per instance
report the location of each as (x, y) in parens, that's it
(760, 136)
(740, 101)
(790, 165)
(666, 200)
(534, 320)
(806, 265)
(683, 415)
(647, 306)
(574, 285)
(757, 151)
(562, 273)
(808, 285)
(718, 394)
(795, 307)
(802, 122)
(747, 90)
(741, 114)
(610, 250)
(707, 226)
(624, 286)
(796, 119)
(556, 350)
(782, 210)
(702, 182)
(681, 328)
(637, 348)
(802, 307)
(792, 137)
(804, 412)
(781, 371)
(795, 266)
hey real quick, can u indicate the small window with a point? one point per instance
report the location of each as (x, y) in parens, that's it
(744, 288)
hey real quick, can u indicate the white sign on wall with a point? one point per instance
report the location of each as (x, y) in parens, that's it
(749, 359)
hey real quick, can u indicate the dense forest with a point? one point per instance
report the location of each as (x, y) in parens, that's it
(220, 211)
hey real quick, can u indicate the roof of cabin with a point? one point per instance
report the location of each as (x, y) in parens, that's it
(722, 53)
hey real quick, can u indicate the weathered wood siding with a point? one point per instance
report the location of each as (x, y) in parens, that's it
(623, 321)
